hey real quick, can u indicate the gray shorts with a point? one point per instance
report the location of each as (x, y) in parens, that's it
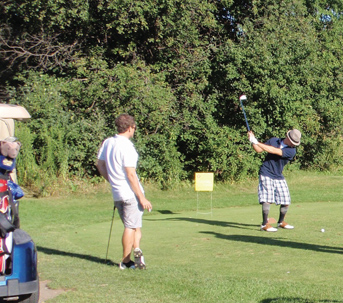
(273, 191)
(130, 212)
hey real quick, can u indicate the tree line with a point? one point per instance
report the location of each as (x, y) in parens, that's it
(179, 68)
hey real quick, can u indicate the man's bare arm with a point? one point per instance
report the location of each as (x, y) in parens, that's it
(101, 166)
(260, 147)
(134, 183)
(257, 148)
(268, 148)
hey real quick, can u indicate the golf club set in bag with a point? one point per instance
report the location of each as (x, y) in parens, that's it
(10, 192)
(19, 279)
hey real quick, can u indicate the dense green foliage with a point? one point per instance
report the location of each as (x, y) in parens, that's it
(179, 68)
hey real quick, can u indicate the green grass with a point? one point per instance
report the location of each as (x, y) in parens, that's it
(193, 257)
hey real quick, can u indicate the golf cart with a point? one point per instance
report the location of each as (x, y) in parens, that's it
(18, 255)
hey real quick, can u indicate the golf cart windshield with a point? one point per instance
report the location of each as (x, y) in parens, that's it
(9, 113)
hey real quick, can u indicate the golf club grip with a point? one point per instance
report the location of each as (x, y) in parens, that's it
(245, 116)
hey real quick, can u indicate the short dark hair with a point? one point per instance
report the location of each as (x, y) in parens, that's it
(123, 122)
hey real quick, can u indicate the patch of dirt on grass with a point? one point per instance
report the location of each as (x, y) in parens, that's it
(46, 293)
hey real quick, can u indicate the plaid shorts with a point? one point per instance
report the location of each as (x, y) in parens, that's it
(273, 191)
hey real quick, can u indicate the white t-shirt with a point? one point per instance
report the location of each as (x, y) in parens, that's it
(119, 152)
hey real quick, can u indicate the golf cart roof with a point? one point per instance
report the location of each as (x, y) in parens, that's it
(9, 111)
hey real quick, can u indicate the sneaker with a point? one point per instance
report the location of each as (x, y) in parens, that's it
(129, 265)
(268, 227)
(139, 259)
(285, 225)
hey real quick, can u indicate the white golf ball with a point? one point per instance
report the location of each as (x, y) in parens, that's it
(322, 230)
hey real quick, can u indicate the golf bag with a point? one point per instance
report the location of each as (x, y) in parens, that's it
(8, 213)
(9, 193)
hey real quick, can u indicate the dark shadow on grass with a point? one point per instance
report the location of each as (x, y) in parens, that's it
(213, 222)
(52, 251)
(296, 300)
(166, 212)
(277, 242)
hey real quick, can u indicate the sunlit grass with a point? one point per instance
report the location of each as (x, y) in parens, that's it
(193, 257)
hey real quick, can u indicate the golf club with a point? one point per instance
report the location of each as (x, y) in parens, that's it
(241, 98)
(109, 237)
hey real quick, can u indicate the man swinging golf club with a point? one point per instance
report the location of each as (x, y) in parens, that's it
(117, 161)
(272, 184)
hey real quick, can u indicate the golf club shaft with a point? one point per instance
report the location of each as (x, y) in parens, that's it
(109, 237)
(245, 116)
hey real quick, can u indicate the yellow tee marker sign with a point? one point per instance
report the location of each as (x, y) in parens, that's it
(204, 181)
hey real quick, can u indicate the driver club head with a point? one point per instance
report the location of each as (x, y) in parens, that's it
(243, 98)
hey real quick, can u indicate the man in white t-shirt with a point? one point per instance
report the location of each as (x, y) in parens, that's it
(117, 162)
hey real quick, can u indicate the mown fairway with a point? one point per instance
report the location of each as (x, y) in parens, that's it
(195, 257)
